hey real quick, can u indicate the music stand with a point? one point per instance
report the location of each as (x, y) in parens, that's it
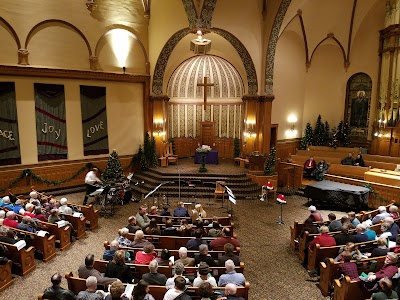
(280, 219)
(155, 189)
(211, 185)
(231, 199)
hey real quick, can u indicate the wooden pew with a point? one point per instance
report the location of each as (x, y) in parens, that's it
(25, 258)
(175, 252)
(347, 171)
(158, 292)
(5, 276)
(318, 253)
(79, 225)
(75, 284)
(224, 221)
(91, 214)
(139, 270)
(346, 289)
(328, 271)
(62, 234)
(45, 245)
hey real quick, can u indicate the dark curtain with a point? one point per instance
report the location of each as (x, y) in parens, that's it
(51, 128)
(94, 120)
(9, 141)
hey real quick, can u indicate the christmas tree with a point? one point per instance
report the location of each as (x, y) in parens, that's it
(147, 148)
(236, 148)
(113, 172)
(154, 161)
(144, 166)
(270, 164)
(335, 139)
(327, 136)
(346, 135)
(319, 132)
(339, 132)
(308, 137)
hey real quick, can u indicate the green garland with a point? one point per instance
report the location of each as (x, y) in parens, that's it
(29, 172)
(371, 190)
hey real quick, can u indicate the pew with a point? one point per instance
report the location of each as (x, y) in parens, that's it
(224, 221)
(75, 284)
(175, 252)
(328, 271)
(91, 214)
(45, 245)
(346, 289)
(318, 253)
(139, 270)
(5, 276)
(347, 171)
(24, 258)
(79, 224)
(62, 234)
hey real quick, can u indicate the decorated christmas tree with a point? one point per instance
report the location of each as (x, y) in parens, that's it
(113, 172)
(147, 148)
(335, 140)
(144, 166)
(346, 135)
(319, 132)
(153, 152)
(327, 136)
(270, 163)
(339, 133)
(308, 137)
(236, 148)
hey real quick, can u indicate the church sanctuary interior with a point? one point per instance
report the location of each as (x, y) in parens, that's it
(266, 130)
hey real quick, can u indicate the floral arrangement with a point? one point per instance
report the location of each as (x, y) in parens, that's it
(203, 149)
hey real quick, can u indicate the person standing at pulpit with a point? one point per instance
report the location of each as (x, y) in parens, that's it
(309, 166)
(90, 180)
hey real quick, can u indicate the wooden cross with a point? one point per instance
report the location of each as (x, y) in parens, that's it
(205, 85)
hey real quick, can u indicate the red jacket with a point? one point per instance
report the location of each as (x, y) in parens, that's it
(324, 240)
(313, 164)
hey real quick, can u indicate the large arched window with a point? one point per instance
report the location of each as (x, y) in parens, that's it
(357, 109)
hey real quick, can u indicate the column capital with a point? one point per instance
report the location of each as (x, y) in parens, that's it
(23, 57)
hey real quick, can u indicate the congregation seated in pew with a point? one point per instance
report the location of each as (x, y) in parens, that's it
(87, 269)
(55, 291)
(348, 160)
(153, 277)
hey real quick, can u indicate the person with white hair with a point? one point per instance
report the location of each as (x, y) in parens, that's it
(382, 215)
(29, 207)
(10, 221)
(393, 228)
(122, 238)
(64, 208)
(109, 253)
(139, 240)
(2, 216)
(34, 198)
(184, 259)
(19, 207)
(7, 203)
(132, 225)
(91, 292)
(315, 215)
(90, 180)
(230, 292)
(153, 277)
(231, 276)
(360, 236)
(394, 211)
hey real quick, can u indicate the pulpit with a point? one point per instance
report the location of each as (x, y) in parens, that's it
(257, 163)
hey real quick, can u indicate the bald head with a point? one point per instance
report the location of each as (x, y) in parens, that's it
(230, 289)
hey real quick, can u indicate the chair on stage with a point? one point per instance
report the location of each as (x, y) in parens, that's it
(169, 154)
(219, 190)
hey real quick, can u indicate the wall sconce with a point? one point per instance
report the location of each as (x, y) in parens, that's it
(91, 5)
(249, 129)
(381, 125)
(159, 127)
(291, 132)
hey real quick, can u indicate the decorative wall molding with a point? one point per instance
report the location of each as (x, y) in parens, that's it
(71, 74)
(331, 35)
(273, 39)
(207, 12)
(191, 13)
(12, 31)
(159, 98)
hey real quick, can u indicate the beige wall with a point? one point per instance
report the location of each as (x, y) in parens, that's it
(124, 116)
(322, 89)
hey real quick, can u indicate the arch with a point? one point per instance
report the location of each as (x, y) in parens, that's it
(119, 26)
(331, 36)
(13, 33)
(273, 39)
(169, 46)
(73, 27)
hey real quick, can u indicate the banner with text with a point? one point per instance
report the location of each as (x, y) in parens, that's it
(94, 120)
(9, 142)
(51, 130)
